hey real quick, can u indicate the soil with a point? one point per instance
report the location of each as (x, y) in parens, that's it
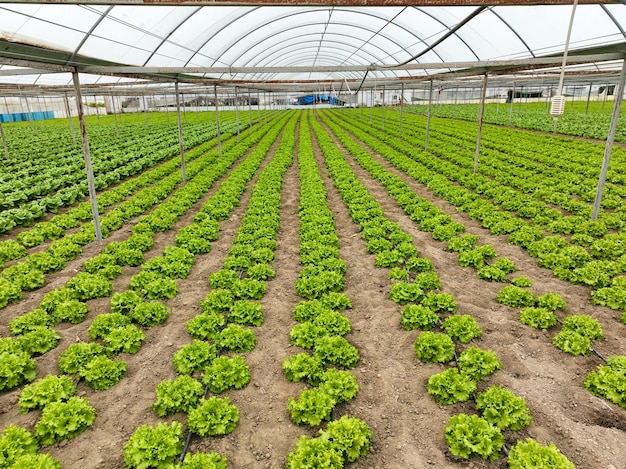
(406, 422)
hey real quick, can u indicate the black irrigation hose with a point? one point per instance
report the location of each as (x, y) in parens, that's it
(181, 458)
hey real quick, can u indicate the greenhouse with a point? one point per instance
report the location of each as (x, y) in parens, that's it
(310, 234)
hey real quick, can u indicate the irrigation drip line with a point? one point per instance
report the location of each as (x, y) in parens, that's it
(181, 458)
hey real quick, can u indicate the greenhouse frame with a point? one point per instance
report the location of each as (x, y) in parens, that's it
(429, 194)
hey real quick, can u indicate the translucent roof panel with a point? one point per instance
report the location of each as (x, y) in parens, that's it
(314, 36)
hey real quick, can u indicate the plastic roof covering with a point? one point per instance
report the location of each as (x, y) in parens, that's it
(178, 36)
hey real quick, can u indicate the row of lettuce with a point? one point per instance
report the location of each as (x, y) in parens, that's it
(222, 326)
(424, 313)
(578, 331)
(45, 179)
(577, 120)
(130, 200)
(63, 414)
(573, 247)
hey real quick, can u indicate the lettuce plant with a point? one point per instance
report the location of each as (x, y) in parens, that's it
(64, 420)
(339, 384)
(350, 436)
(205, 326)
(15, 368)
(15, 443)
(418, 317)
(530, 454)
(49, 389)
(303, 367)
(450, 386)
(203, 461)
(503, 409)
(157, 446)
(433, 347)
(39, 340)
(213, 416)
(177, 395)
(105, 323)
(313, 453)
(478, 363)
(194, 357)
(539, 318)
(469, 436)
(336, 351)
(102, 373)
(312, 407)
(226, 373)
(462, 328)
(126, 339)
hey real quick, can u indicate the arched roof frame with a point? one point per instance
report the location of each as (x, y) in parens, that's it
(300, 12)
(333, 45)
(376, 57)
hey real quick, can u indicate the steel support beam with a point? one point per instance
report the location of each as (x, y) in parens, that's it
(322, 3)
(617, 104)
(487, 65)
(86, 153)
(237, 113)
(430, 100)
(481, 113)
(217, 123)
(401, 109)
(69, 118)
(180, 135)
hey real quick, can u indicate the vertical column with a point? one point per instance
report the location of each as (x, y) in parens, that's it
(511, 106)
(430, 100)
(69, 118)
(617, 104)
(237, 113)
(86, 154)
(250, 110)
(383, 111)
(588, 99)
(217, 123)
(30, 115)
(117, 126)
(180, 134)
(481, 113)
(401, 108)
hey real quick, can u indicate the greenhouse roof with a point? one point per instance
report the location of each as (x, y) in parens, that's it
(252, 43)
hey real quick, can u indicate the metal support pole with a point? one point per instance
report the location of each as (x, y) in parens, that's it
(511, 106)
(250, 110)
(430, 100)
(481, 113)
(588, 99)
(167, 113)
(617, 104)
(217, 123)
(258, 105)
(69, 118)
(180, 133)
(237, 113)
(383, 111)
(117, 127)
(401, 109)
(88, 168)
(30, 115)
(371, 104)
(4, 141)
(95, 102)
(145, 111)
(456, 95)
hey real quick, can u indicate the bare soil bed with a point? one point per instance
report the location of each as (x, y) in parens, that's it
(407, 423)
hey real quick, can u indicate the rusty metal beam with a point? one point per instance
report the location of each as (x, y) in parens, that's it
(322, 3)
